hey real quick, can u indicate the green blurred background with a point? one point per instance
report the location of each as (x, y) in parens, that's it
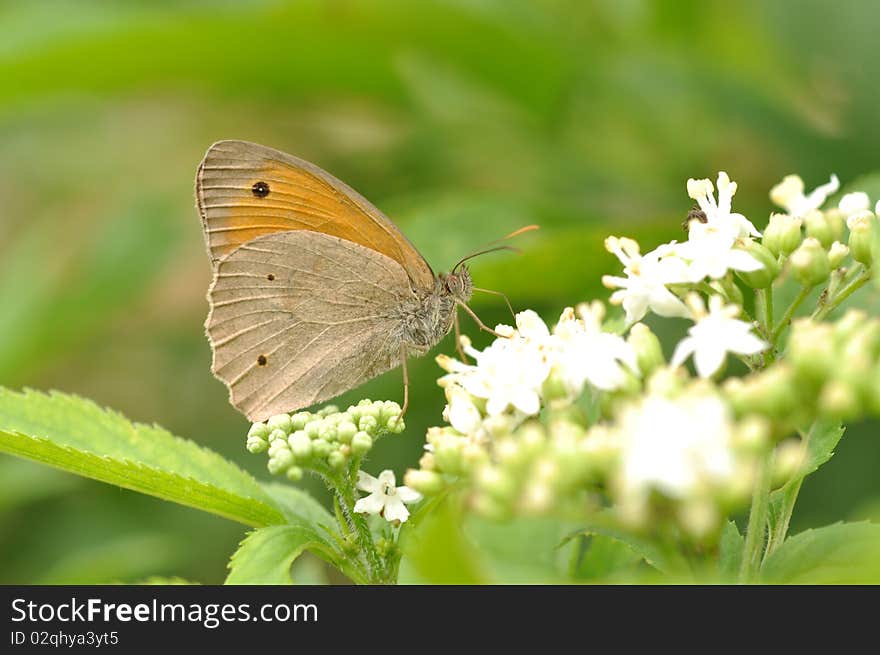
(462, 120)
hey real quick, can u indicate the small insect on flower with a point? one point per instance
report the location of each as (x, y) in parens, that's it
(694, 214)
(385, 499)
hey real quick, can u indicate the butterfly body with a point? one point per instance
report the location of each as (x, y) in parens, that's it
(315, 291)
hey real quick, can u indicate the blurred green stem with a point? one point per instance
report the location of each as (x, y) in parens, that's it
(754, 542)
(833, 303)
(789, 496)
(789, 313)
(764, 316)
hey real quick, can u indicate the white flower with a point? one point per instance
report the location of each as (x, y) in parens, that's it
(587, 354)
(854, 203)
(711, 252)
(718, 214)
(461, 412)
(384, 499)
(680, 447)
(710, 249)
(644, 286)
(790, 194)
(510, 372)
(715, 334)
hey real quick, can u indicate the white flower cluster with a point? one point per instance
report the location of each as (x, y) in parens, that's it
(578, 411)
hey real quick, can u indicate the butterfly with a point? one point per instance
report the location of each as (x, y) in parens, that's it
(314, 290)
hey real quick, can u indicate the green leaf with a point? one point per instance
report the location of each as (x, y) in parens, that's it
(78, 436)
(266, 555)
(843, 553)
(821, 442)
(730, 549)
(668, 561)
(602, 558)
(524, 550)
(435, 550)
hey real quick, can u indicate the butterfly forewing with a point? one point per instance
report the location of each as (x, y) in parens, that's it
(299, 317)
(245, 190)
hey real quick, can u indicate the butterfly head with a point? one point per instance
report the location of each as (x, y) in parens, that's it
(458, 283)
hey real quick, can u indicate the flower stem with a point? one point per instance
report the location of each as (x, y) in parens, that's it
(754, 542)
(789, 313)
(857, 283)
(789, 497)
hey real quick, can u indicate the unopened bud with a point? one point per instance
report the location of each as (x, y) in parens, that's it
(280, 422)
(810, 263)
(819, 228)
(764, 276)
(783, 234)
(837, 254)
(361, 443)
(427, 483)
(838, 400)
(649, 353)
(862, 235)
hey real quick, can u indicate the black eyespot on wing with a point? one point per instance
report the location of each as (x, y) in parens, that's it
(262, 361)
(270, 277)
(260, 189)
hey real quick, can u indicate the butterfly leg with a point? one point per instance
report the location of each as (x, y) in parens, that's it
(480, 323)
(458, 346)
(498, 293)
(405, 385)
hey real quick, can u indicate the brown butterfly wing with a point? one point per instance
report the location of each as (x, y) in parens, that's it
(300, 317)
(245, 190)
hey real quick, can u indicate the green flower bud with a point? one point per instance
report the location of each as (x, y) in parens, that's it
(839, 400)
(427, 483)
(256, 444)
(764, 276)
(368, 423)
(260, 430)
(361, 443)
(395, 424)
(321, 447)
(300, 445)
(819, 228)
(280, 461)
(448, 455)
(299, 420)
(783, 234)
(788, 460)
(336, 459)
(862, 234)
(326, 411)
(328, 431)
(837, 254)
(811, 349)
(277, 435)
(773, 393)
(280, 422)
(810, 263)
(345, 431)
(836, 222)
(313, 428)
(294, 474)
(554, 388)
(649, 353)
(495, 482)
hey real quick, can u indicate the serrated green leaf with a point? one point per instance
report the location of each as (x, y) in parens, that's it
(78, 436)
(843, 553)
(266, 555)
(666, 561)
(821, 442)
(730, 550)
(602, 558)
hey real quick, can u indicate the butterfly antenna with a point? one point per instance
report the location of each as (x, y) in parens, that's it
(492, 247)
